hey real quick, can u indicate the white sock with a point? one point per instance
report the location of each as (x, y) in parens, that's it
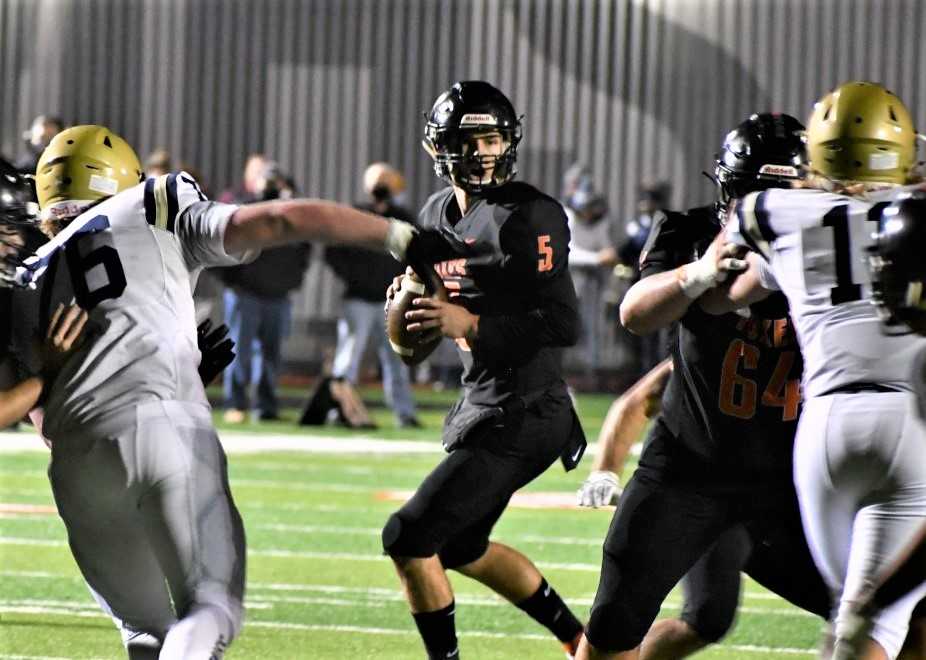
(203, 634)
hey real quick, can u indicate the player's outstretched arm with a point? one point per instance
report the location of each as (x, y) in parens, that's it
(65, 332)
(16, 402)
(658, 300)
(268, 224)
(623, 425)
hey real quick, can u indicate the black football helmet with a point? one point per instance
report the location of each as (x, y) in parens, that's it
(765, 151)
(898, 269)
(17, 208)
(472, 107)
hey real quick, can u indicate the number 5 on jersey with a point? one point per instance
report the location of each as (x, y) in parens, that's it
(545, 250)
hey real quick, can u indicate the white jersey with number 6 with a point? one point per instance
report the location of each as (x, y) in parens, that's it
(132, 261)
(815, 246)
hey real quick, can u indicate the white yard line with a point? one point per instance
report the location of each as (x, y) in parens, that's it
(255, 443)
(332, 588)
(25, 608)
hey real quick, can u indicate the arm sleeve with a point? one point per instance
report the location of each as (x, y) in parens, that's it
(535, 244)
(175, 203)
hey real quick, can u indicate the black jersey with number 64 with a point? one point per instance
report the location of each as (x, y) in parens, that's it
(733, 398)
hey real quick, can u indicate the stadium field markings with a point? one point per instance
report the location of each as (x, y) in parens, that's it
(377, 531)
(4, 656)
(26, 608)
(259, 443)
(386, 594)
(308, 554)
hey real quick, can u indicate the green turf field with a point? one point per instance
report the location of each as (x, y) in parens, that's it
(318, 586)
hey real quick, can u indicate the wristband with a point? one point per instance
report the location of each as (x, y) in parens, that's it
(697, 277)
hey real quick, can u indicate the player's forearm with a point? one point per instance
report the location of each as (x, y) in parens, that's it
(628, 416)
(622, 426)
(269, 224)
(653, 303)
(16, 402)
(744, 290)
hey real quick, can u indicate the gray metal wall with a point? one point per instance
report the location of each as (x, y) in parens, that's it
(638, 89)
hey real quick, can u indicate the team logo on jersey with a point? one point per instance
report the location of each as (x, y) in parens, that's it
(474, 119)
(779, 170)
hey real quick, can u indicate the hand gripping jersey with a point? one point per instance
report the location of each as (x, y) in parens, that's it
(814, 248)
(733, 398)
(509, 264)
(132, 262)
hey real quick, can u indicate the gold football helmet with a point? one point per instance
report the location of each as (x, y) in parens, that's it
(81, 165)
(861, 132)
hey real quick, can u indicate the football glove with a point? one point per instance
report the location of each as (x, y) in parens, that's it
(405, 242)
(216, 350)
(602, 487)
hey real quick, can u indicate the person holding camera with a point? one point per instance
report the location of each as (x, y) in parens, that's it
(257, 306)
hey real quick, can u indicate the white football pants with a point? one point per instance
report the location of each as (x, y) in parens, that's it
(860, 472)
(150, 520)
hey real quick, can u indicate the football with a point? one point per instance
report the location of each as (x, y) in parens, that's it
(408, 345)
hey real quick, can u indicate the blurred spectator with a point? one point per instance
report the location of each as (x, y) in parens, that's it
(591, 256)
(366, 275)
(159, 162)
(257, 307)
(250, 189)
(652, 348)
(576, 177)
(652, 198)
(37, 137)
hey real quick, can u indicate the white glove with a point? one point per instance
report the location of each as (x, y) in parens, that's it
(602, 487)
(699, 276)
(398, 236)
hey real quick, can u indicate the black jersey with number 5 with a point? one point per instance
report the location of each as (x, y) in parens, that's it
(507, 261)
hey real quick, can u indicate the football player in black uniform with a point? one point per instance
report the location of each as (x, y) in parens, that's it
(898, 280)
(19, 393)
(513, 309)
(716, 467)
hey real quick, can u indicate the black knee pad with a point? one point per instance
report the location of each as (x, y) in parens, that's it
(711, 620)
(616, 626)
(400, 540)
(459, 553)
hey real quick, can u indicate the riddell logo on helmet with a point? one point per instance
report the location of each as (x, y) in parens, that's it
(778, 170)
(473, 119)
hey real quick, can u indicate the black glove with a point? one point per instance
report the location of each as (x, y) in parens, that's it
(216, 350)
(428, 246)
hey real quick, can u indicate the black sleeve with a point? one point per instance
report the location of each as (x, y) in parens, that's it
(669, 245)
(535, 242)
